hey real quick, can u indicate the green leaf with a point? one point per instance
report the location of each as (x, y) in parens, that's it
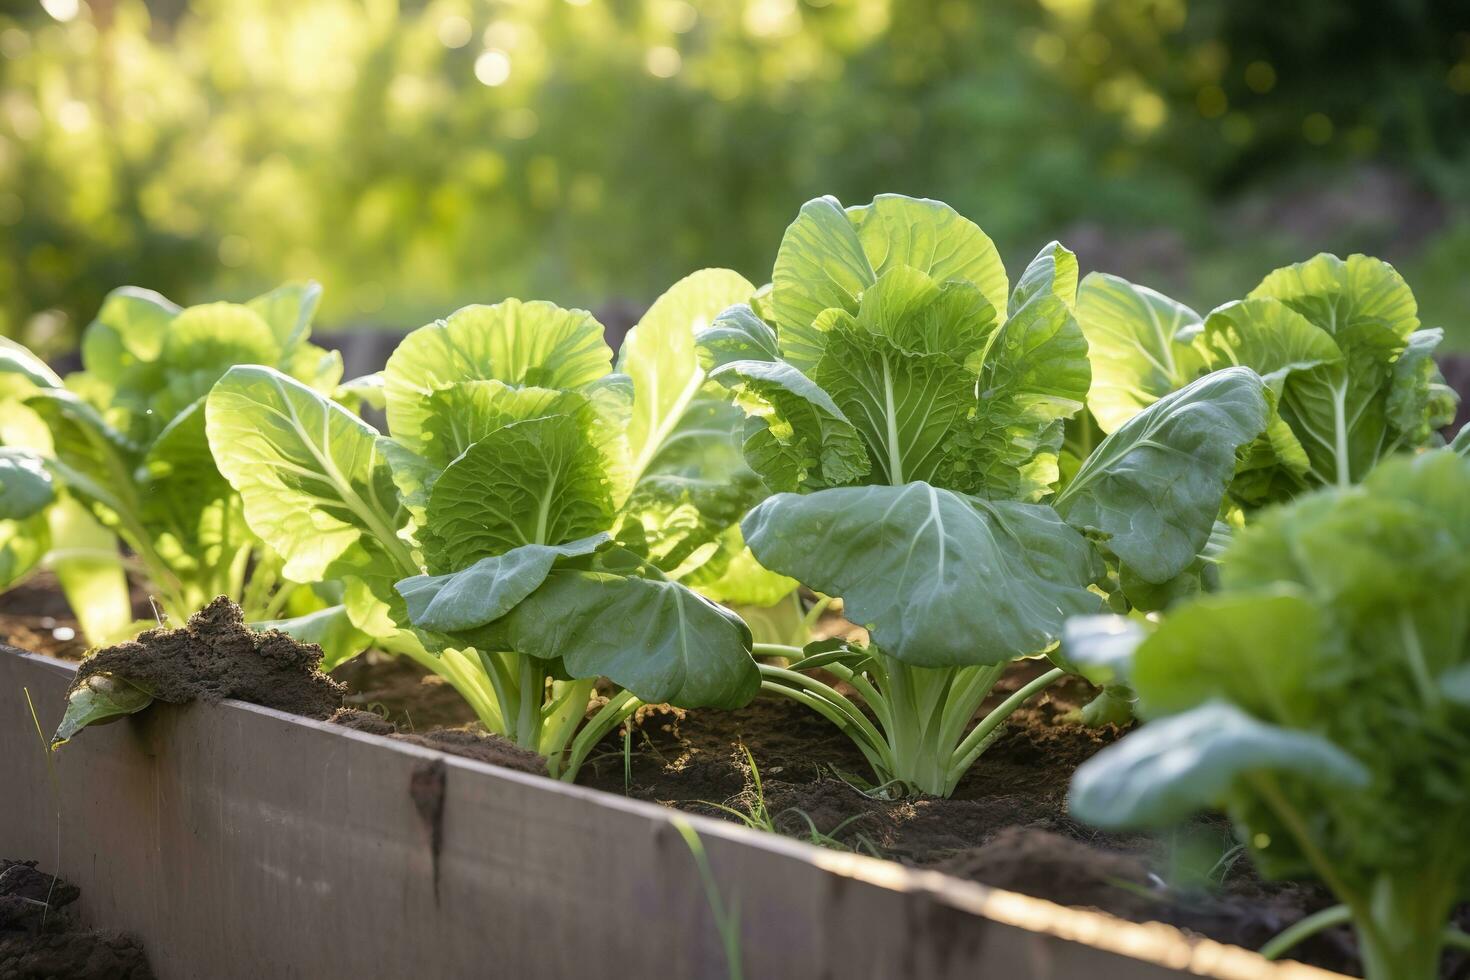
(366, 390)
(130, 327)
(1461, 443)
(331, 629)
(99, 699)
(202, 343)
(1267, 336)
(1419, 401)
(1340, 296)
(1141, 346)
(656, 638)
(1053, 272)
(941, 579)
(1101, 648)
(87, 566)
(22, 545)
(25, 484)
(537, 344)
(796, 436)
(830, 256)
(1257, 650)
(914, 411)
(734, 577)
(659, 356)
(309, 471)
(1174, 767)
(680, 523)
(15, 359)
(1154, 486)
(93, 460)
(737, 334)
(289, 310)
(539, 481)
(489, 588)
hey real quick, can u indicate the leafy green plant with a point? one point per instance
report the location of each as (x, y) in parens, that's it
(1323, 700)
(121, 449)
(527, 526)
(1337, 340)
(913, 431)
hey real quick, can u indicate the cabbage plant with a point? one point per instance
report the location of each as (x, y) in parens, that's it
(1337, 340)
(909, 407)
(531, 519)
(120, 473)
(1322, 699)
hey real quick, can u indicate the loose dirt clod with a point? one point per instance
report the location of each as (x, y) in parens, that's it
(40, 938)
(215, 656)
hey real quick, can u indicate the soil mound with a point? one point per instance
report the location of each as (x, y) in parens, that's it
(215, 656)
(41, 938)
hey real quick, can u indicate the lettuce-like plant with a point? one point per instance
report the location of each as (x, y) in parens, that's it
(1323, 700)
(1337, 340)
(913, 429)
(124, 438)
(522, 528)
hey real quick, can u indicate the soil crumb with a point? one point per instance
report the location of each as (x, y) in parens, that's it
(215, 656)
(466, 742)
(40, 936)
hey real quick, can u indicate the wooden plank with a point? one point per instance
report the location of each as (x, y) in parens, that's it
(241, 842)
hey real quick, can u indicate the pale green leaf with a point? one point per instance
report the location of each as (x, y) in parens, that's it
(1140, 343)
(538, 344)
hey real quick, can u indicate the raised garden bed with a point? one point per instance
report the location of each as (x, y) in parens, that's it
(239, 841)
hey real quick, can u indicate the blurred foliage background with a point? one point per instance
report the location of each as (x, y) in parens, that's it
(416, 155)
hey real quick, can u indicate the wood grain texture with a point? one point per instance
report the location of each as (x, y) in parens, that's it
(240, 842)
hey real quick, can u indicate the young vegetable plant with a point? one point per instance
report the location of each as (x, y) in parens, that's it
(1322, 699)
(913, 429)
(123, 448)
(522, 528)
(1337, 340)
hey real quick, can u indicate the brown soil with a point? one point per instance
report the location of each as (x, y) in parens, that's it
(214, 656)
(41, 938)
(478, 745)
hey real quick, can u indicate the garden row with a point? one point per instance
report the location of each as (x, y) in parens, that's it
(1243, 527)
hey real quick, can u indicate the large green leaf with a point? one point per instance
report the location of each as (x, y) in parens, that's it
(1267, 336)
(25, 484)
(538, 481)
(489, 588)
(538, 344)
(659, 356)
(1154, 486)
(830, 256)
(310, 473)
(737, 334)
(1141, 346)
(656, 638)
(1339, 295)
(942, 579)
(94, 460)
(914, 411)
(1174, 767)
